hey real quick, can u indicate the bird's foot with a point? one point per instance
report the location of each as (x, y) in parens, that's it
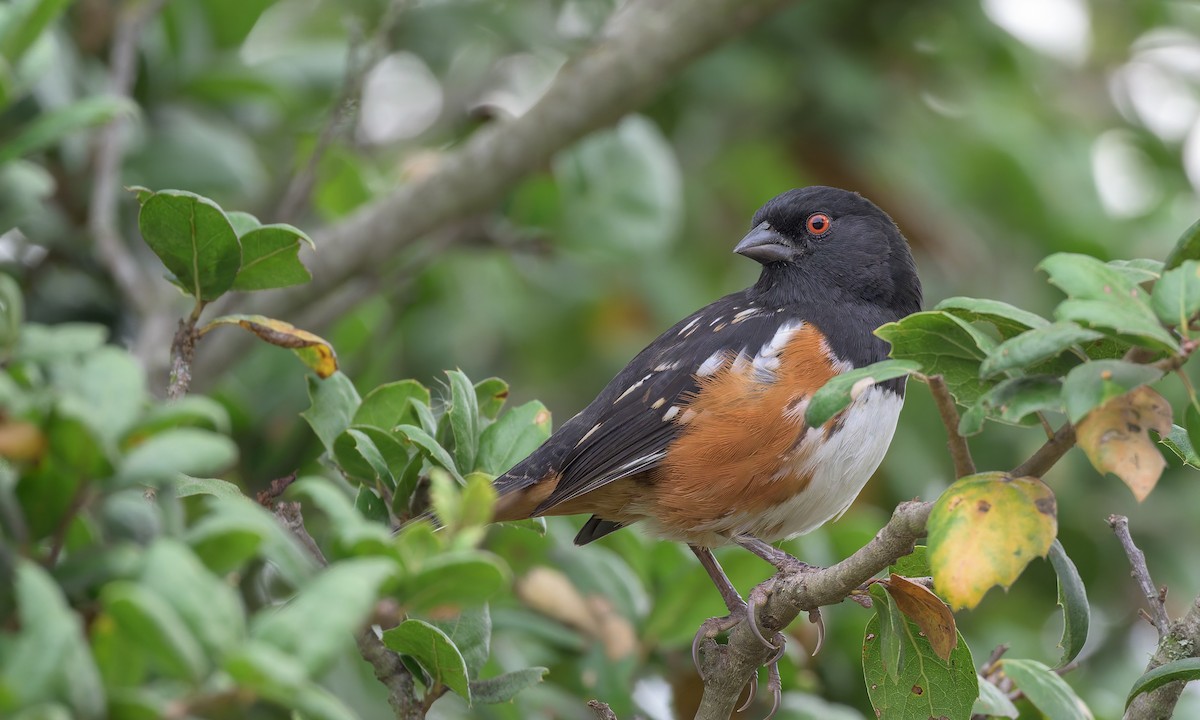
(709, 630)
(759, 596)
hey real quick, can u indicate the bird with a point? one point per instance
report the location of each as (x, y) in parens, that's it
(701, 438)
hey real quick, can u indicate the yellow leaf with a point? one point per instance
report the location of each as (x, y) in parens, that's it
(927, 611)
(1115, 438)
(313, 350)
(984, 530)
(21, 441)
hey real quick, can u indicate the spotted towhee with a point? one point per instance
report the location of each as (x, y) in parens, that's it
(701, 438)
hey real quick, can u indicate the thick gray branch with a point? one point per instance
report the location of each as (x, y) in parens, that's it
(727, 668)
(644, 45)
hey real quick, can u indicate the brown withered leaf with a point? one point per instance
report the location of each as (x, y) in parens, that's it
(1115, 437)
(927, 610)
(313, 350)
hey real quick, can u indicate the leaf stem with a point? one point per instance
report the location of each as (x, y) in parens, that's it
(959, 450)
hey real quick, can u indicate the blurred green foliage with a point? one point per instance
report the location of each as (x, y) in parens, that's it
(990, 151)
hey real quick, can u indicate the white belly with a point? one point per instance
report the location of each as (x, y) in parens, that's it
(839, 465)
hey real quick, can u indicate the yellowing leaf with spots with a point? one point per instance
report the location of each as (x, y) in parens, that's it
(984, 530)
(313, 350)
(1115, 438)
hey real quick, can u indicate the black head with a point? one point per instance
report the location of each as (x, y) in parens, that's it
(825, 243)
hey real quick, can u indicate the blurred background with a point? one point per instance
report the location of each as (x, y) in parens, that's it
(993, 132)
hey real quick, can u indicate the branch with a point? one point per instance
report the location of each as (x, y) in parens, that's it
(1181, 641)
(727, 668)
(389, 670)
(601, 710)
(1141, 573)
(959, 450)
(645, 44)
(1048, 454)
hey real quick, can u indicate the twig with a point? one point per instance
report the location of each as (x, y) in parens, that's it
(648, 45)
(1048, 454)
(131, 279)
(964, 465)
(183, 353)
(601, 710)
(727, 668)
(1182, 641)
(1141, 573)
(388, 668)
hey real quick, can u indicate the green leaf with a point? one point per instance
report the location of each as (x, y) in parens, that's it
(1072, 598)
(1185, 669)
(39, 343)
(194, 239)
(844, 388)
(943, 345)
(12, 312)
(163, 457)
(359, 456)
(332, 404)
(1138, 270)
(156, 628)
(1008, 319)
(1176, 297)
(281, 678)
(24, 24)
(1015, 400)
(434, 650)
(1045, 689)
(455, 579)
(515, 435)
(913, 565)
(1034, 346)
(243, 222)
(1094, 383)
(620, 188)
(1086, 278)
(49, 658)
(1180, 443)
(890, 633)
(927, 685)
(471, 633)
(1127, 318)
(271, 258)
(190, 486)
(1187, 247)
(210, 607)
(504, 688)
(49, 128)
(390, 405)
(320, 621)
(993, 702)
(105, 389)
(490, 395)
(353, 534)
(464, 419)
(1191, 419)
(370, 505)
(220, 539)
(430, 448)
(188, 411)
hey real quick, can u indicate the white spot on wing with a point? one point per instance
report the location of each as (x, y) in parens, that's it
(689, 326)
(670, 413)
(712, 364)
(589, 434)
(632, 387)
(747, 313)
(766, 362)
(658, 403)
(663, 367)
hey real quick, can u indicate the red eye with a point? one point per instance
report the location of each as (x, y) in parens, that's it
(818, 224)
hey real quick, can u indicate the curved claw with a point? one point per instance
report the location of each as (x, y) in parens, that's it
(775, 685)
(753, 691)
(710, 628)
(814, 617)
(752, 603)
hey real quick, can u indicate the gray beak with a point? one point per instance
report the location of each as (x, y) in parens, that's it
(765, 245)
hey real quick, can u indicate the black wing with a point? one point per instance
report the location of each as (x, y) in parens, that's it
(629, 426)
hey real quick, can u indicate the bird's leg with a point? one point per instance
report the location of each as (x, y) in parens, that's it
(785, 563)
(713, 627)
